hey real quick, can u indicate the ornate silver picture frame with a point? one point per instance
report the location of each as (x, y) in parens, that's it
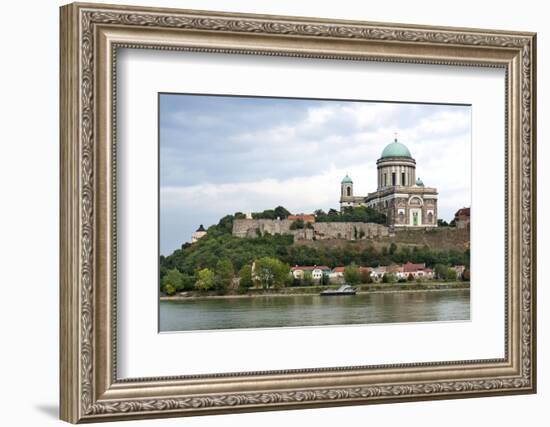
(91, 36)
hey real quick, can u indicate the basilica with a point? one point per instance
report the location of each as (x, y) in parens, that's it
(402, 197)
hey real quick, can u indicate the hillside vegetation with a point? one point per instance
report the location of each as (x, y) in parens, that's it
(219, 247)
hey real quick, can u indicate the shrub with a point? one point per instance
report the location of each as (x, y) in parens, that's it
(205, 280)
(295, 282)
(440, 271)
(351, 274)
(173, 278)
(451, 274)
(297, 224)
(224, 274)
(169, 289)
(365, 276)
(307, 279)
(245, 277)
(389, 278)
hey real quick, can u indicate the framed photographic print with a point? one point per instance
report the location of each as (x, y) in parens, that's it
(266, 212)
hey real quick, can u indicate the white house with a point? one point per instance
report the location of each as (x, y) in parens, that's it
(317, 271)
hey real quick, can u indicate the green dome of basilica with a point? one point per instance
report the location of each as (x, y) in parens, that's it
(396, 149)
(347, 180)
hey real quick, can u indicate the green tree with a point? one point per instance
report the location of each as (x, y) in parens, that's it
(224, 274)
(295, 281)
(389, 278)
(169, 289)
(245, 277)
(365, 276)
(307, 278)
(352, 275)
(281, 212)
(206, 280)
(440, 271)
(451, 274)
(271, 272)
(225, 225)
(172, 279)
(297, 224)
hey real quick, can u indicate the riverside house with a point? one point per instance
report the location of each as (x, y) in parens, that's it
(337, 274)
(459, 269)
(317, 271)
(417, 270)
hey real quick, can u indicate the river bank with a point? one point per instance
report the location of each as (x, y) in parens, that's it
(315, 290)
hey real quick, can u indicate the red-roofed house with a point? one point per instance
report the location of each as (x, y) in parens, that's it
(305, 218)
(337, 274)
(459, 269)
(417, 270)
(378, 272)
(462, 218)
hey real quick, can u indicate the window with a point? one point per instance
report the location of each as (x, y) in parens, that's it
(403, 178)
(393, 179)
(385, 179)
(349, 191)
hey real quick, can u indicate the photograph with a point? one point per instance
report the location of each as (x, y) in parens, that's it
(293, 212)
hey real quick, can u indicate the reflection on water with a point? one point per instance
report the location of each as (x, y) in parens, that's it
(313, 310)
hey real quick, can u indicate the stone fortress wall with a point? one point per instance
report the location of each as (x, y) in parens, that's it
(321, 230)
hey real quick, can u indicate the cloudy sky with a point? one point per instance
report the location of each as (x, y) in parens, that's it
(221, 154)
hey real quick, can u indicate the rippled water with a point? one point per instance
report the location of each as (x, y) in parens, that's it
(313, 310)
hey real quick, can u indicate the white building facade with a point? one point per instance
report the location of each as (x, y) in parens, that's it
(400, 195)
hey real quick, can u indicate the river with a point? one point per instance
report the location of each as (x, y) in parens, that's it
(313, 310)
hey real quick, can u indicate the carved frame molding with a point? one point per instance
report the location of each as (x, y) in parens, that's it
(90, 37)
